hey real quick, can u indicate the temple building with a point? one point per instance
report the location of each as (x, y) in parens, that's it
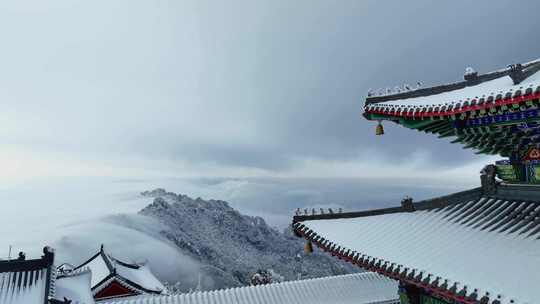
(476, 246)
(112, 278)
(102, 277)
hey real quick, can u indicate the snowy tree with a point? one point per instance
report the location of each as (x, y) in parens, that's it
(261, 277)
(173, 288)
(267, 276)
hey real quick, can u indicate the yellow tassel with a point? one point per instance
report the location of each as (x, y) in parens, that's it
(379, 130)
(309, 247)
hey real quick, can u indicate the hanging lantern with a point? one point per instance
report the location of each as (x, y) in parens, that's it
(379, 130)
(309, 247)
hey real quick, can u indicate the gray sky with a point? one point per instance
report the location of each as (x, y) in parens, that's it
(237, 88)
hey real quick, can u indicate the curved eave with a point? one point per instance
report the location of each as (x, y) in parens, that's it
(422, 112)
(428, 282)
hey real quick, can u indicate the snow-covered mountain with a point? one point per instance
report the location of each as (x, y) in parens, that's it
(232, 246)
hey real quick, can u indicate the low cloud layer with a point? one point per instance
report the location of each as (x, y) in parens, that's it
(130, 238)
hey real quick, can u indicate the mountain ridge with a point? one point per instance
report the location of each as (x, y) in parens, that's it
(232, 246)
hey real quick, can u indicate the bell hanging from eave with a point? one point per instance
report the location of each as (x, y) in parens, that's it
(379, 130)
(309, 247)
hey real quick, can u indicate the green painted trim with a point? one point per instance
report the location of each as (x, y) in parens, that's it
(459, 139)
(448, 133)
(380, 117)
(442, 127)
(414, 124)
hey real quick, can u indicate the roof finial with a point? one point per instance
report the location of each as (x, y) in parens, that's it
(370, 92)
(516, 73)
(407, 204)
(470, 74)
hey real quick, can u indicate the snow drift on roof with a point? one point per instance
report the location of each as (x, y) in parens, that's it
(75, 287)
(487, 244)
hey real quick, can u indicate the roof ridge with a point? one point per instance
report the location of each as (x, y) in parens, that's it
(88, 261)
(353, 214)
(428, 204)
(129, 265)
(532, 66)
(107, 260)
(16, 265)
(74, 272)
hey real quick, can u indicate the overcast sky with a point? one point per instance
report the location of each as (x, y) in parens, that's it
(236, 88)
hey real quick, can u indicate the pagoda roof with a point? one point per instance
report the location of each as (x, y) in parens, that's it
(495, 113)
(106, 269)
(26, 281)
(465, 247)
(506, 86)
(359, 288)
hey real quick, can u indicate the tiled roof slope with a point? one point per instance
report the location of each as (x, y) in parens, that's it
(360, 288)
(26, 281)
(485, 246)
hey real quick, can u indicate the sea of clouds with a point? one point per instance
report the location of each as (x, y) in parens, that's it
(77, 215)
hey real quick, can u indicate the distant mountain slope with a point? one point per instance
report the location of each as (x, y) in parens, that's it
(233, 246)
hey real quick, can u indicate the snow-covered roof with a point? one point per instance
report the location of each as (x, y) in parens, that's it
(469, 249)
(99, 268)
(75, 286)
(139, 274)
(26, 281)
(496, 88)
(104, 267)
(13, 292)
(357, 288)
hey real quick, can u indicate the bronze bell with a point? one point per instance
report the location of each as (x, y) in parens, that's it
(379, 130)
(309, 247)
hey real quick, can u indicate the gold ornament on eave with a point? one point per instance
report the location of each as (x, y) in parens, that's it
(309, 247)
(379, 130)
